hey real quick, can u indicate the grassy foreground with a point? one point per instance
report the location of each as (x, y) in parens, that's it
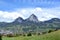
(49, 36)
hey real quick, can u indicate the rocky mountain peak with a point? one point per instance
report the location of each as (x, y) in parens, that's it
(19, 19)
(33, 18)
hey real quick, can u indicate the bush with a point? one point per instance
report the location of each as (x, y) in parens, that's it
(50, 31)
(29, 34)
(38, 34)
(0, 37)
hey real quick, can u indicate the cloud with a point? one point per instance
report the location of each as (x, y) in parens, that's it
(9, 16)
(42, 14)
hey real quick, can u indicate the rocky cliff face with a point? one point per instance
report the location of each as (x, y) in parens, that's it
(19, 20)
(32, 18)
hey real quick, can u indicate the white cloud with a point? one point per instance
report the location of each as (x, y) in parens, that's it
(9, 16)
(41, 13)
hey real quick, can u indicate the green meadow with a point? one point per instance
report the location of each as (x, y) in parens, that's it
(49, 36)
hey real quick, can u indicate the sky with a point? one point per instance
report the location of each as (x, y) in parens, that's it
(43, 9)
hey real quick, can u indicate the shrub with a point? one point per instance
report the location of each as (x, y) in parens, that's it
(29, 34)
(0, 37)
(50, 31)
(38, 34)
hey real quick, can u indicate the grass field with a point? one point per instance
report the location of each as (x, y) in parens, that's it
(49, 36)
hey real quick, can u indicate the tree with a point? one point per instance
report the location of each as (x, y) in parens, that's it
(38, 33)
(29, 34)
(50, 31)
(0, 37)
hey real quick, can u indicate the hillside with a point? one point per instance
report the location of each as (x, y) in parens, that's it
(49, 36)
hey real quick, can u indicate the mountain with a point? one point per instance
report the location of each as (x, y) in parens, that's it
(53, 20)
(18, 20)
(30, 24)
(32, 18)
